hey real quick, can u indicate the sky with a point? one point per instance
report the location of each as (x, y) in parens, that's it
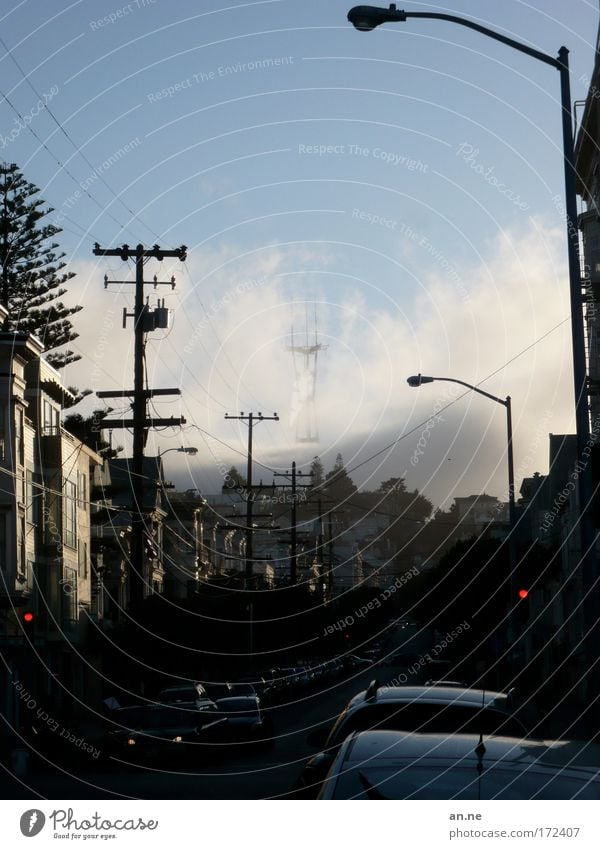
(402, 190)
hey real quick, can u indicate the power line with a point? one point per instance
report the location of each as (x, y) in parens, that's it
(73, 143)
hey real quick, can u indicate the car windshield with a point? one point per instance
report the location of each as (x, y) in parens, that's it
(423, 717)
(461, 782)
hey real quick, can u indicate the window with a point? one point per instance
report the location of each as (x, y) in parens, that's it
(19, 438)
(2, 437)
(50, 419)
(51, 514)
(31, 498)
(21, 548)
(82, 490)
(3, 558)
(82, 552)
(70, 514)
(69, 597)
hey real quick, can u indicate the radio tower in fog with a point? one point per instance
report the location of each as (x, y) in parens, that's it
(303, 411)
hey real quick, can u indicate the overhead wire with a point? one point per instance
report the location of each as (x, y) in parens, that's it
(61, 165)
(77, 147)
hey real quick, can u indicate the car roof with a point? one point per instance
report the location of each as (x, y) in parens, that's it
(432, 694)
(397, 746)
(233, 702)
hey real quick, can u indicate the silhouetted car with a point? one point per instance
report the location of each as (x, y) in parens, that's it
(354, 661)
(240, 688)
(188, 692)
(163, 731)
(449, 710)
(246, 721)
(396, 765)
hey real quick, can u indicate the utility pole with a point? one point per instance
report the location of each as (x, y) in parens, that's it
(145, 321)
(293, 527)
(319, 499)
(252, 420)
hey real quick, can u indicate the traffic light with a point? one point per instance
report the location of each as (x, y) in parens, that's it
(523, 593)
(27, 622)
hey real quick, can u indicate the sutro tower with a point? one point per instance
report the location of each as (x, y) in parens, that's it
(303, 411)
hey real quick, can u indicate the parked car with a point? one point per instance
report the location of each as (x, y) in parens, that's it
(449, 710)
(397, 765)
(290, 675)
(185, 692)
(261, 686)
(246, 721)
(164, 731)
(217, 689)
(240, 688)
(354, 661)
(400, 658)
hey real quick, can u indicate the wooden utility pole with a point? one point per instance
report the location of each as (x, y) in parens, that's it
(145, 320)
(293, 526)
(252, 419)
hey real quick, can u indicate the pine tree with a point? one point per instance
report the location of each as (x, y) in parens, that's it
(338, 483)
(318, 472)
(31, 279)
(89, 431)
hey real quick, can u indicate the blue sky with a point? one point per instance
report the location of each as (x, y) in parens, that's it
(403, 183)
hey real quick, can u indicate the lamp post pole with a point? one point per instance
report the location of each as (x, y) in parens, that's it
(366, 18)
(418, 380)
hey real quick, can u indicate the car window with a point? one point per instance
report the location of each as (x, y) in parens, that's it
(452, 719)
(459, 782)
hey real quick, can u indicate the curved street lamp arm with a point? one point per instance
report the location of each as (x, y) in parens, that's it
(530, 51)
(504, 401)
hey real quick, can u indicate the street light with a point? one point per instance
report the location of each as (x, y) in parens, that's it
(418, 379)
(366, 18)
(188, 449)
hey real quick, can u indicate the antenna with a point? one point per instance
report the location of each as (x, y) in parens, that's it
(305, 360)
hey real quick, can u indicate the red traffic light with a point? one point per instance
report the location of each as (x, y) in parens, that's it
(523, 593)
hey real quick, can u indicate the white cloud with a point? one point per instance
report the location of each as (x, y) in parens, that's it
(226, 350)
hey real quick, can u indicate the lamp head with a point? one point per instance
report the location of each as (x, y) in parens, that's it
(366, 18)
(418, 379)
